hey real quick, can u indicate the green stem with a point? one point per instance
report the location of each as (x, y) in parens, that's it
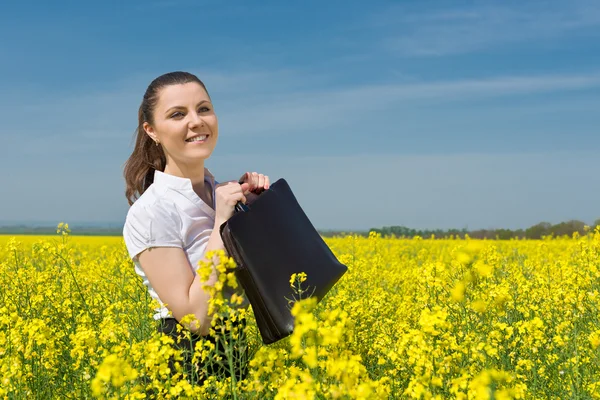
(76, 284)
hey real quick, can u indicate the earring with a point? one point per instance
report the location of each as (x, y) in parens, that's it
(156, 142)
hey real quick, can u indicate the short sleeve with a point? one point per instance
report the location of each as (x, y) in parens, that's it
(151, 226)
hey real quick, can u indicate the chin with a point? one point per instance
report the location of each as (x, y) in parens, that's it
(200, 154)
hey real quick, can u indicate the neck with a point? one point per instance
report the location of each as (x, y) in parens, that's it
(195, 173)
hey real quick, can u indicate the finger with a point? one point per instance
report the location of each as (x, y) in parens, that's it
(245, 187)
(227, 183)
(261, 181)
(249, 180)
(234, 200)
(235, 195)
(245, 177)
(229, 188)
(254, 181)
(267, 182)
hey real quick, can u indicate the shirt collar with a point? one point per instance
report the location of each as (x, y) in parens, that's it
(177, 182)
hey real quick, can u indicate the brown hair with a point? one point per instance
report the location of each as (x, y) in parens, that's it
(146, 156)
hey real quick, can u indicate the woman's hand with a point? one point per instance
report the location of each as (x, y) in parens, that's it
(258, 182)
(227, 194)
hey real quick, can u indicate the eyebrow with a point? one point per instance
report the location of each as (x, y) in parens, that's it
(183, 108)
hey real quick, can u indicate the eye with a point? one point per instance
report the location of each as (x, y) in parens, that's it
(203, 109)
(176, 114)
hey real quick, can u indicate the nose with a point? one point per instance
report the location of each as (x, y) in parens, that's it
(195, 120)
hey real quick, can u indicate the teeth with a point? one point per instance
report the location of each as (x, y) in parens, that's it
(197, 139)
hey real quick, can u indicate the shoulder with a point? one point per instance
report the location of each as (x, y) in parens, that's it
(153, 204)
(152, 220)
(153, 198)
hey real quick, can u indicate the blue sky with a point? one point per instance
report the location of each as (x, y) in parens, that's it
(426, 114)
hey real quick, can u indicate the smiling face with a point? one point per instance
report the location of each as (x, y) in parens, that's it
(184, 122)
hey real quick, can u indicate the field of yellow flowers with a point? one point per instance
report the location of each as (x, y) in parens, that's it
(412, 318)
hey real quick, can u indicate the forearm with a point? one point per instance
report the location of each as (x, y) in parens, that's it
(198, 297)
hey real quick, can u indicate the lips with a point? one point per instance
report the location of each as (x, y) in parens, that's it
(198, 138)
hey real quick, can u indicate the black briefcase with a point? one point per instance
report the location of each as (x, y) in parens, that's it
(270, 239)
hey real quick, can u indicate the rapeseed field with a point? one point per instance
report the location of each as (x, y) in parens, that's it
(420, 318)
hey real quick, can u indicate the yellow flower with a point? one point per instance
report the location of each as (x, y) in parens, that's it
(484, 270)
(464, 257)
(479, 306)
(594, 339)
(424, 318)
(458, 292)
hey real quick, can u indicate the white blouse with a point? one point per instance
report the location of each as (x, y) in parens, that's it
(170, 214)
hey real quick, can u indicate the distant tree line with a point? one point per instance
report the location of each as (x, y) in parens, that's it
(534, 232)
(51, 230)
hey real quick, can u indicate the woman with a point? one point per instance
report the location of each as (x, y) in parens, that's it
(177, 206)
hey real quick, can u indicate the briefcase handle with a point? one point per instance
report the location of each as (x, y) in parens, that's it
(241, 207)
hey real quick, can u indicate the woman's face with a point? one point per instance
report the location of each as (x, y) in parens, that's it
(184, 122)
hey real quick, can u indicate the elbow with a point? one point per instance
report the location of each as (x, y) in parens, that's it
(196, 322)
(194, 313)
(202, 329)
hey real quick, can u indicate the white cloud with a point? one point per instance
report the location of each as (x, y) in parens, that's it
(325, 109)
(462, 30)
(256, 103)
